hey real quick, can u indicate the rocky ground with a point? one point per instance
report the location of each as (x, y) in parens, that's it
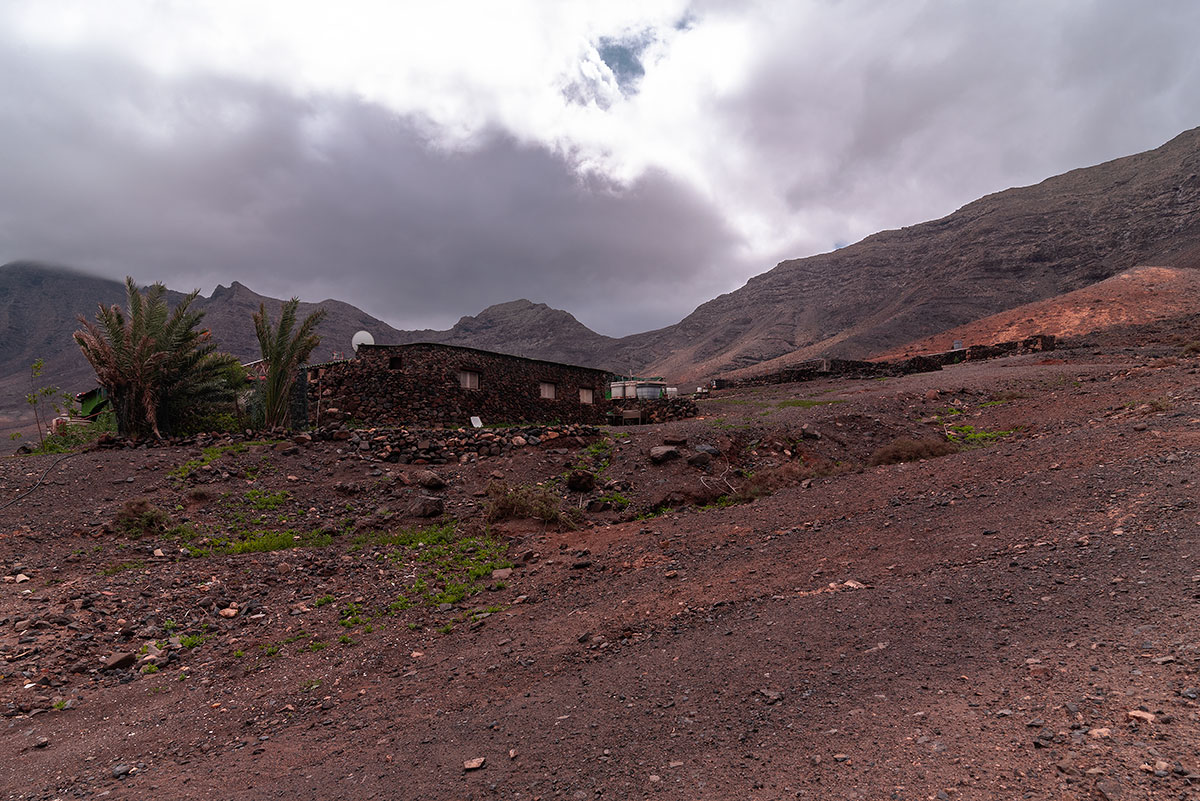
(756, 612)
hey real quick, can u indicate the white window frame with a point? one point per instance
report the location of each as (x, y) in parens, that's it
(587, 396)
(547, 390)
(468, 379)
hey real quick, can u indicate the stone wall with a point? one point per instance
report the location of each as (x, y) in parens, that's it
(415, 446)
(419, 384)
(657, 410)
(849, 368)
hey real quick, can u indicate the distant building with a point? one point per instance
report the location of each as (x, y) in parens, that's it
(426, 384)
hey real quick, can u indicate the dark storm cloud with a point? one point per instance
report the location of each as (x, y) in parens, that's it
(203, 180)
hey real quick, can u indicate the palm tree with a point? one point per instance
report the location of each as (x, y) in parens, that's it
(284, 352)
(158, 369)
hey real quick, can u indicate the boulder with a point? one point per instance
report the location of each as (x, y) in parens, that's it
(664, 453)
(427, 506)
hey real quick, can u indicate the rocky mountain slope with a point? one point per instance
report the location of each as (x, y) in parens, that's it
(1001, 251)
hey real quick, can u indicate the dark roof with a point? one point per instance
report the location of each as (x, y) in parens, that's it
(471, 350)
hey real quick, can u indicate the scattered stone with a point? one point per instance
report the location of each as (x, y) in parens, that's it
(664, 453)
(427, 506)
(428, 479)
(501, 573)
(700, 459)
(228, 612)
(581, 481)
(1039, 671)
(474, 764)
(772, 696)
(21, 578)
(1141, 715)
(119, 661)
(121, 771)
(709, 449)
(41, 742)
(1100, 733)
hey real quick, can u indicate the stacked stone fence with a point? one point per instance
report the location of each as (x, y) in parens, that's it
(654, 410)
(848, 368)
(444, 446)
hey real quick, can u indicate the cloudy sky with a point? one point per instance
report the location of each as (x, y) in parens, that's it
(622, 160)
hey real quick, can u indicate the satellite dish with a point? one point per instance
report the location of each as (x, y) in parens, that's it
(362, 338)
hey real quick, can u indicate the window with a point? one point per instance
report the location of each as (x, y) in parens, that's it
(585, 395)
(394, 363)
(468, 379)
(547, 390)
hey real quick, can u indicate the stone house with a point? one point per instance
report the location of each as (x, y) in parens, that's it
(427, 384)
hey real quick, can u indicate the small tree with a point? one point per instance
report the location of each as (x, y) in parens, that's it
(284, 352)
(159, 369)
(35, 398)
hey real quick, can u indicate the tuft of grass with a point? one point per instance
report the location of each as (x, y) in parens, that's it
(448, 566)
(121, 567)
(265, 501)
(906, 449)
(262, 540)
(192, 640)
(806, 403)
(270, 649)
(213, 453)
(351, 615)
(324, 600)
(970, 436)
(139, 518)
(528, 502)
(615, 499)
(446, 629)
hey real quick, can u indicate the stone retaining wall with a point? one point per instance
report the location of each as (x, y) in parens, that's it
(849, 368)
(416, 446)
